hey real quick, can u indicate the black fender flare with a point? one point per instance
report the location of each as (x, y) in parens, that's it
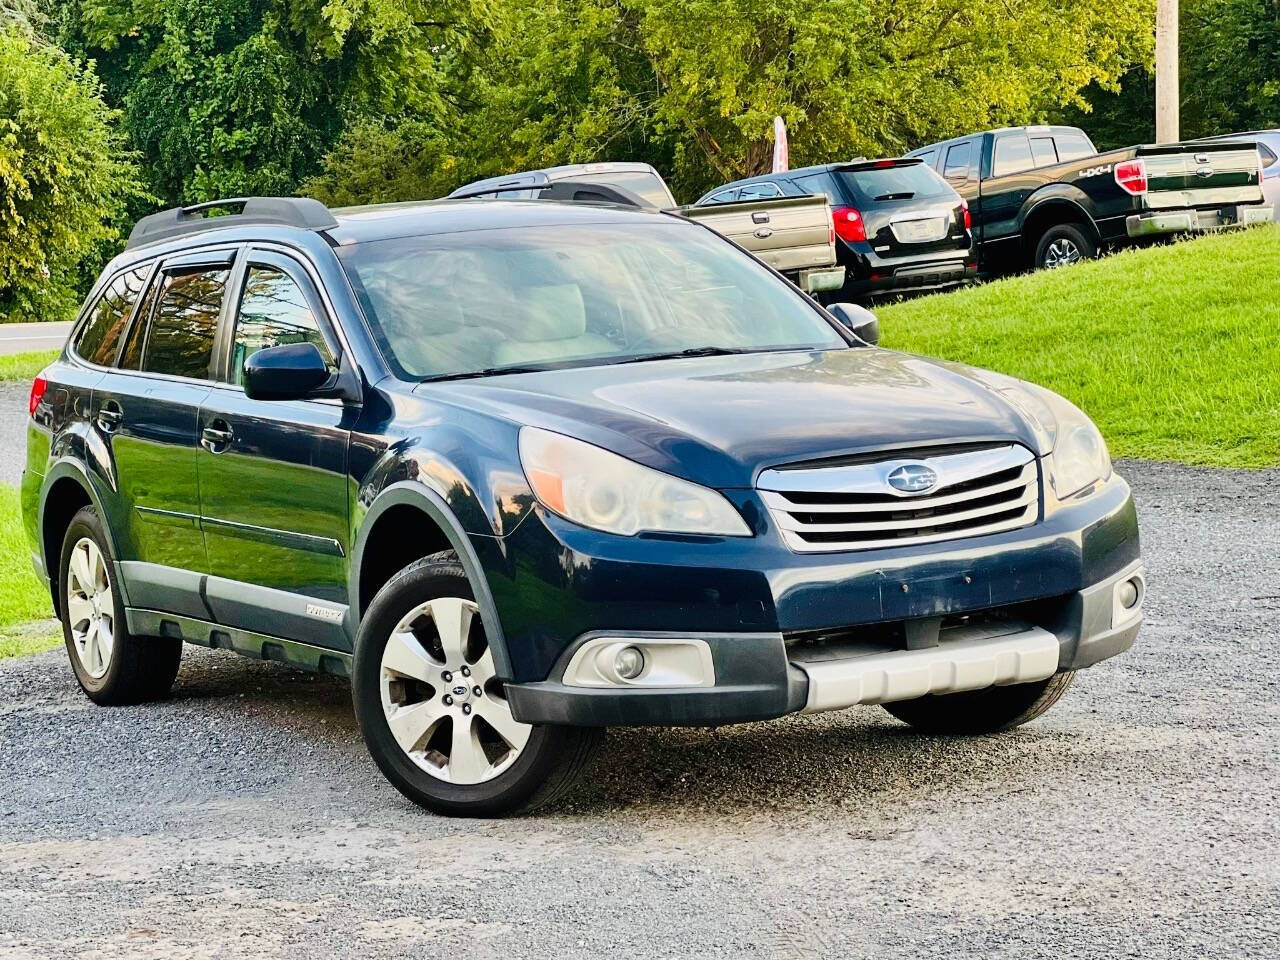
(68, 467)
(419, 495)
(1060, 195)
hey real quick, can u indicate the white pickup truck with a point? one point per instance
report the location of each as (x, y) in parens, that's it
(794, 235)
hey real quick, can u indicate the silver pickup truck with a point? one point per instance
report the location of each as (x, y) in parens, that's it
(794, 235)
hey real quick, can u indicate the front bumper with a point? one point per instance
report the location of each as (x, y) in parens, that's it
(790, 632)
(1161, 222)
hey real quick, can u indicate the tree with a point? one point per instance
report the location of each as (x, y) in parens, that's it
(698, 82)
(235, 97)
(65, 177)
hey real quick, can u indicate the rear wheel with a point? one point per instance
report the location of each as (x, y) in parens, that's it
(433, 712)
(113, 666)
(976, 712)
(1062, 246)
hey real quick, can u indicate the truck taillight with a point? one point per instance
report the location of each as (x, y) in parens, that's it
(968, 220)
(1132, 177)
(849, 225)
(38, 387)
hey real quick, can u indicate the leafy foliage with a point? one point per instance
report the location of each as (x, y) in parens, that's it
(65, 177)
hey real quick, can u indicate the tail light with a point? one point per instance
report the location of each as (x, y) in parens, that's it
(849, 225)
(964, 209)
(38, 388)
(1132, 177)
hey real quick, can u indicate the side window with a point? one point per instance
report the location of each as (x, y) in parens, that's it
(820, 184)
(273, 311)
(1267, 154)
(99, 339)
(1013, 153)
(929, 157)
(724, 196)
(1073, 146)
(186, 319)
(1042, 151)
(958, 161)
(759, 191)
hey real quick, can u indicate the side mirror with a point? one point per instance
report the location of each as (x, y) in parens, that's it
(860, 321)
(292, 371)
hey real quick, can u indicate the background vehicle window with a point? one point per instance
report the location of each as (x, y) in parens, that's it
(1267, 154)
(724, 196)
(273, 311)
(1042, 151)
(1073, 146)
(820, 184)
(957, 165)
(181, 339)
(897, 180)
(929, 156)
(1013, 153)
(99, 340)
(759, 191)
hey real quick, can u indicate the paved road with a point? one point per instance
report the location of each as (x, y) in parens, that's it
(1139, 818)
(25, 337)
(13, 431)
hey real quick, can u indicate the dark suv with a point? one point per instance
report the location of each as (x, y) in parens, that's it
(899, 225)
(526, 470)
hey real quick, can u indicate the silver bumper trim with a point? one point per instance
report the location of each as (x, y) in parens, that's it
(968, 659)
(1196, 221)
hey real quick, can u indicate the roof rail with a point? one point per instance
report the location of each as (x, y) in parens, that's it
(303, 212)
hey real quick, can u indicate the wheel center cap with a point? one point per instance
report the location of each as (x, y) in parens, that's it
(461, 692)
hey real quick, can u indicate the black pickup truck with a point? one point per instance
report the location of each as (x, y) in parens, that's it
(1043, 196)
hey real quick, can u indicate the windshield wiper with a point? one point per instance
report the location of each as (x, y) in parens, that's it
(486, 372)
(905, 195)
(688, 352)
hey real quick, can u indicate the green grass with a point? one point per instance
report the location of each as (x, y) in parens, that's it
(22, 597)
(25, 366)
(1173, 350)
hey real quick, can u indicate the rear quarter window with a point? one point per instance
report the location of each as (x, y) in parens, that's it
(1073, 146)
(99, 339)
(819, 184)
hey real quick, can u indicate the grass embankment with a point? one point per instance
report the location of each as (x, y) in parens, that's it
(1173, 350)
(23, 598)
(25, 366)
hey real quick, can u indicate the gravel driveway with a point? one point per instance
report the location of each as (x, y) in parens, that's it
(243, 818)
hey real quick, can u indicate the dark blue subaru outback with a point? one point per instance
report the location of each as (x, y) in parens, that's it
(527, 470)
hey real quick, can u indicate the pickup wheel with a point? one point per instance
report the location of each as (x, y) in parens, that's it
(433, 711)
(112, 666)
(977, 712)
(1063, 245)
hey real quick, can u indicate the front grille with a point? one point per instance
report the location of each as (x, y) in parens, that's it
(854, 507)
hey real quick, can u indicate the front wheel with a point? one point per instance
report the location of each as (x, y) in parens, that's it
(976, 712)
(1063, 246)
(433, 712)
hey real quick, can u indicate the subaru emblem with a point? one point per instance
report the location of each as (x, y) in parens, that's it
(913, 478)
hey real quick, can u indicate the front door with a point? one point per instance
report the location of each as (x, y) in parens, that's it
(146, 412)
(274, 493)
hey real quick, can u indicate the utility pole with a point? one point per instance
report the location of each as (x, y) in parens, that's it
(1166, 71)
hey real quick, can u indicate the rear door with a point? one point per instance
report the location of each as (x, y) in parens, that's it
(147, 412)
(273, 474)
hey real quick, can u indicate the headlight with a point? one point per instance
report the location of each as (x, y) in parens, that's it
(604, 491)
(1078, 454)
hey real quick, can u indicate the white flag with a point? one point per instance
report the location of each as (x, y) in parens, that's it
(781, 155)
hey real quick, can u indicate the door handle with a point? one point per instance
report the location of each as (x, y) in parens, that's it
(217, 436)
(110, 416)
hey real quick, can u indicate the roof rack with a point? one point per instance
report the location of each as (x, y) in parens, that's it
(303, 212)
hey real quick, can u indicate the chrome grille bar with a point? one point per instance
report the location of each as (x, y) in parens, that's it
(854, 507)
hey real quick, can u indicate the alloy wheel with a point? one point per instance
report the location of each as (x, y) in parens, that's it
(1061, 253)
(91, 611)
(441, 697)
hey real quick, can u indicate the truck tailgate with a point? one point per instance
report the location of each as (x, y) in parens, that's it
(790, 234)
(1202, 174)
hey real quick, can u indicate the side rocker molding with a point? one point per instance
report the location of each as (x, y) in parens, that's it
(411, 493)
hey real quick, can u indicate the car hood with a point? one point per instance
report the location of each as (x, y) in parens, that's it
(719, 421)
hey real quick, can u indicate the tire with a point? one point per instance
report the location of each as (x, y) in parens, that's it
(978, 712)
(453, 750)
(1062, 246)
(113, 667)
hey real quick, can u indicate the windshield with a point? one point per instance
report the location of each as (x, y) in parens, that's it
(470, 303)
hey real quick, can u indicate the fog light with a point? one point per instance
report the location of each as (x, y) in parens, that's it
(628, 663)
(1128, 594)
